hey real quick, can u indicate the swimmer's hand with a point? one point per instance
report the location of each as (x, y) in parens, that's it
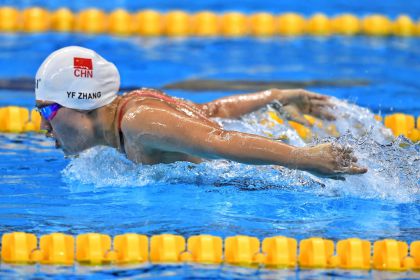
(329, 160)
(297, 102)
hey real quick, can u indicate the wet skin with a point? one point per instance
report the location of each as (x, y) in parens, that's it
(155, 131)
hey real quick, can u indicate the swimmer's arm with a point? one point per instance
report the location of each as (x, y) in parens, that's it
(237, 105)
(165, 129)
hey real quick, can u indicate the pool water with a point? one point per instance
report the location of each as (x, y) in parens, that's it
(101, 191)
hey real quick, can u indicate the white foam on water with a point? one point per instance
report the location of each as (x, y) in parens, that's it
(103, 166)
(394, 164)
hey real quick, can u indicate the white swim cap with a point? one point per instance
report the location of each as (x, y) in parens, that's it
(77, 78)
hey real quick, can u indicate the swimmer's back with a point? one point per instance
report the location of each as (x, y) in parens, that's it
(131, 101)
(145, 93)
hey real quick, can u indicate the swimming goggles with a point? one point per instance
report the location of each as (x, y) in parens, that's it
(48, 112)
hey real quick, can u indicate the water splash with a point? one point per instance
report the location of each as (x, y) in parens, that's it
(94, 167)
(394, 164)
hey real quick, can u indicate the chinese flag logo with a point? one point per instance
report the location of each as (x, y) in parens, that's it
(82, 67)
(83, 63)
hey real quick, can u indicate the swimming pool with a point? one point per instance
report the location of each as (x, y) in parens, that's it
(41, 192)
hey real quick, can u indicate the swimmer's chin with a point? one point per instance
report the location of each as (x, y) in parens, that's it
(69, 154)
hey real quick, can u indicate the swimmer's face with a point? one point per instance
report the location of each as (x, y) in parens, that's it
(71, 129)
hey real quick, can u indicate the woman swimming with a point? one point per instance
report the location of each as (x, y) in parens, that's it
(77, 96)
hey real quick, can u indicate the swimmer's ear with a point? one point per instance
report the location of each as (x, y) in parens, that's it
(356, 169)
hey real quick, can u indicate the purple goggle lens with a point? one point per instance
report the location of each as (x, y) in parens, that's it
(48, 112)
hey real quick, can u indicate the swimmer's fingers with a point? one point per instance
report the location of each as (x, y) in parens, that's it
(322, 103)
(322, 113)
(346, 160)
(315, 96)
(347, 150)
(350, 154)
(349, 158)
(320, 109)
(293, 114)
(347, 164)
(351, 170)
(355, 169)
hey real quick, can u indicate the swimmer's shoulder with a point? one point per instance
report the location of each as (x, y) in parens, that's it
(141, 113)
(132, 99)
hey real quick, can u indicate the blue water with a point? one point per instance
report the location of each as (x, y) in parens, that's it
(101, 191)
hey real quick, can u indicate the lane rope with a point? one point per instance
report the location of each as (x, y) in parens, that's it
(272, 252)
(180, 23)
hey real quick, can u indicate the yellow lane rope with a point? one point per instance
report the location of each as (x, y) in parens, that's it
(273, 252)
(180, 23)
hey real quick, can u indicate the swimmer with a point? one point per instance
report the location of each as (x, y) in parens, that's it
(77, 96)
